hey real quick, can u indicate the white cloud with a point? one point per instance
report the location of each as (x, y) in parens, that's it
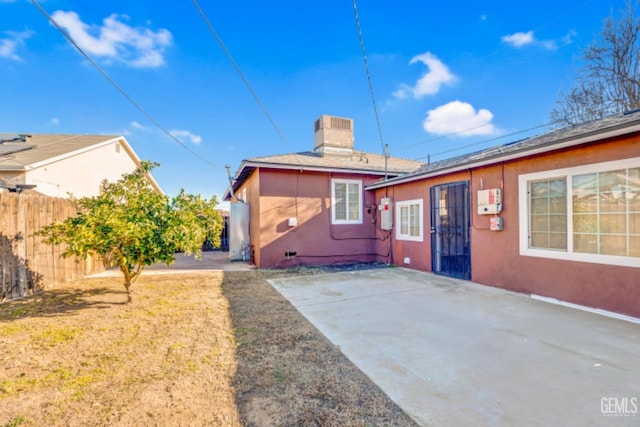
(460, 118)
(519, 39)
(569, 37)
(137, 47)
(137, 125)
(185, 135)
(9, 45)
(431, 81)
(54, 121)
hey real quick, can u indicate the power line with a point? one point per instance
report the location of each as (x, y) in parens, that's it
(555, 122)
(241, 74)
(366, 67)
(495, 52)
(443, 137)
(485, 141)
(119, 89)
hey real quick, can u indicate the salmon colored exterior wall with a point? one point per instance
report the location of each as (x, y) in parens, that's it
(272, 195)
(252, 189)
(495, 255)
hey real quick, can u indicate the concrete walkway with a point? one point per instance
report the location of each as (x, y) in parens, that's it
(211, 261)
(454, 353)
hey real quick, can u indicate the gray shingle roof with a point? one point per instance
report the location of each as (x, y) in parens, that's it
(16, 154)
(560, 138)
(359, 160)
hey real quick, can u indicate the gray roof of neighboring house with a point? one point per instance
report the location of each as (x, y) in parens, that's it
(358, 162)
(20, 150)
(613, 126)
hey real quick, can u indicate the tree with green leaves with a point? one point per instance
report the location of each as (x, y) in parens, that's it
(609, 81)
(131, 225)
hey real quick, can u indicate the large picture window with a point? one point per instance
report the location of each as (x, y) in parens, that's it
(588, 213)
(409, 220)
(346, 201)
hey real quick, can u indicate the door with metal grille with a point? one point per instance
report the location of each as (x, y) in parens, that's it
(450, 234)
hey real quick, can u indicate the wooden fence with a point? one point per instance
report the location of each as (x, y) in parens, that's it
(27, 265)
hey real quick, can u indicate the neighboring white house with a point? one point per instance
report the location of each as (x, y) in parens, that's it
(61, 164)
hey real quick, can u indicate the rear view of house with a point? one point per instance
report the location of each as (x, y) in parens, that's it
(556, 215)
(311, 207)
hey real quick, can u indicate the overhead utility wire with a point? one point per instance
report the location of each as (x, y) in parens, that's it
(604, 110)
(495, 52)
(119, 89)
(484, 141)
(366, 67)
(241, 74)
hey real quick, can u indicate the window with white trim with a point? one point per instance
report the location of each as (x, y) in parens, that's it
(587, 213)
(346, 201)
(409, 220)
(548, 213)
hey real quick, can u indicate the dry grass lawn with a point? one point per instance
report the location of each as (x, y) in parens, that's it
(79, 356)
(197, 349)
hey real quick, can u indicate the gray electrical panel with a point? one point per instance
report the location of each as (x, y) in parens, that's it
(386, 213)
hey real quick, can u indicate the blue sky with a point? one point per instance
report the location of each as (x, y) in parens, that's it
(490, 68)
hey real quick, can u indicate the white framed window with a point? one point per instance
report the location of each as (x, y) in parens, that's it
(587, 213)
(346, 201)
(409, 220)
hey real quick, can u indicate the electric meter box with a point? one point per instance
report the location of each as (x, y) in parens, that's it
(489, 201)
(386, 213)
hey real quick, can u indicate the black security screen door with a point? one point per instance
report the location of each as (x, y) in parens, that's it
(450, 254)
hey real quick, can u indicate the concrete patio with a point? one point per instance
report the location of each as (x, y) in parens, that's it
(454, 353)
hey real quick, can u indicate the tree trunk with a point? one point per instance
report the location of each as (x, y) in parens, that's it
(127, 286)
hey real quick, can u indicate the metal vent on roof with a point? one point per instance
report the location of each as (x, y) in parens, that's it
(13, 137)
(338, 123)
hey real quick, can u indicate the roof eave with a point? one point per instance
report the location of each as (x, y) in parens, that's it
(290, 166)
(524, 152)
(237, 182)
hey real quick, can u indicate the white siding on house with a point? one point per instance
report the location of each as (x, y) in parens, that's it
(82, 173)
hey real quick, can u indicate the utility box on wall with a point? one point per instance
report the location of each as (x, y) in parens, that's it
(495, 223)
(386, 213)
(489, 201)
(239, 215)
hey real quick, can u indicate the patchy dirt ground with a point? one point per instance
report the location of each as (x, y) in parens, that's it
(79, 356)
(288, 373)
(198, 349)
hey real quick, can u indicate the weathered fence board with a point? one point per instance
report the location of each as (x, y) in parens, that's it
(28, 265)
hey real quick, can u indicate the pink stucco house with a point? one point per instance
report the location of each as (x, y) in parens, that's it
(311, 207)
(556, 216)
